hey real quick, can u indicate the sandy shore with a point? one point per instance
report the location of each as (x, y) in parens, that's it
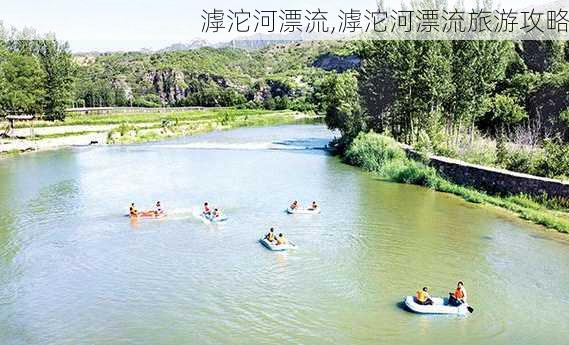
(85, 135)
(25, 145)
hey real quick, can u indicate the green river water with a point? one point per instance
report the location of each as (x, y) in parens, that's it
(75, 270)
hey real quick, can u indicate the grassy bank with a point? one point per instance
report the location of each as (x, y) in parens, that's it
(125, 128)
(384, 157)
(175, 126)
(139, 118)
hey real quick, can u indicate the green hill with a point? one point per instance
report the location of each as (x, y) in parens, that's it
(274, 77)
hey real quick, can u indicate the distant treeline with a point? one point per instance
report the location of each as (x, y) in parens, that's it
(39, 75)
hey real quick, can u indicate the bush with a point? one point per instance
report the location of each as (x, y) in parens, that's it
(249, 105)
(410, 172)
(554, 162)
(481, 152)
(122, 130)
(148, 101)
(520, 160)
(372, 151)
(225, 118)
(301, 104)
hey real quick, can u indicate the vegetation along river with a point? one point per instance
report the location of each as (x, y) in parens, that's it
(75, 270)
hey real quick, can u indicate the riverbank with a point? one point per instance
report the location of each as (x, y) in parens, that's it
(125, 128)
(387, 159)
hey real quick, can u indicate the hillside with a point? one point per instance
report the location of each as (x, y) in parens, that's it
(269, 77)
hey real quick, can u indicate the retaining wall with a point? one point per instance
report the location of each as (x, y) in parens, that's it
(494, 181)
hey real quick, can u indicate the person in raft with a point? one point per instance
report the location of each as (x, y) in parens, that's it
(314, 206)
(294, 205)
(423, 297)
(281, 240)
(133, 212)
(270, 236)
(457, 297)
(158, 208)
(216, 213)
(206, 209)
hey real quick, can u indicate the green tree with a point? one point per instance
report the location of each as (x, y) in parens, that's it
(506, 111)
(405, 86)
(477, 67)
(432, 88)
(57, 64)
(343, 111)
(20, 77)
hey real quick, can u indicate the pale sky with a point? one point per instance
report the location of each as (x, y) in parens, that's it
(106, 25)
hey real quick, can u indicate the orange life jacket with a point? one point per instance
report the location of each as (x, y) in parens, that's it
(458, 293)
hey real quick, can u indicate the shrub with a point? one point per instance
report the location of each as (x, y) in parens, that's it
(554, 162)
(481, 152)
(372, 151)
(424, 143)
(125, 128)
(520, 160)
(409, 171)
(225, 118)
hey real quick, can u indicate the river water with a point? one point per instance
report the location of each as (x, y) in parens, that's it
(75, 270)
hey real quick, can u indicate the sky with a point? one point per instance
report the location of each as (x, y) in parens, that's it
(120, 25)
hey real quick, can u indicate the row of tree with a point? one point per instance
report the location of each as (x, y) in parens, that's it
(439, 89)
(36, 75)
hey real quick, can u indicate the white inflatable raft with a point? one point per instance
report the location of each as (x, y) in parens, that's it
(303, 211)
(210, 219)
(439, 306)
(275, 248)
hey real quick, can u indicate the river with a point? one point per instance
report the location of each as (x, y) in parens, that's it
(75, 270)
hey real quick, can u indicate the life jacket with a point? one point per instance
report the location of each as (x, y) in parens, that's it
(271, 237)
(281, 240)
(421, 296)
(458, 293)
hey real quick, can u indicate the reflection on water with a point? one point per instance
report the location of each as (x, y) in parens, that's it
(75, 270)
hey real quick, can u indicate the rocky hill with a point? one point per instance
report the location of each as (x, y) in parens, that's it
(282, 74)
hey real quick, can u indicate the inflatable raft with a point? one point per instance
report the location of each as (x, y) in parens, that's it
(149, 216)
(439, 306)
(275, 248)
(302, 211)
(210, 219)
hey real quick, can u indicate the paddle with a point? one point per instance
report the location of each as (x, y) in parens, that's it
(468, 307)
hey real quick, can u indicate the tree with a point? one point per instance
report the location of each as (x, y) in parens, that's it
(405, 86)
(21, 78)
(57, 64)
(477, 66)
(343, 111)
(432, 88)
